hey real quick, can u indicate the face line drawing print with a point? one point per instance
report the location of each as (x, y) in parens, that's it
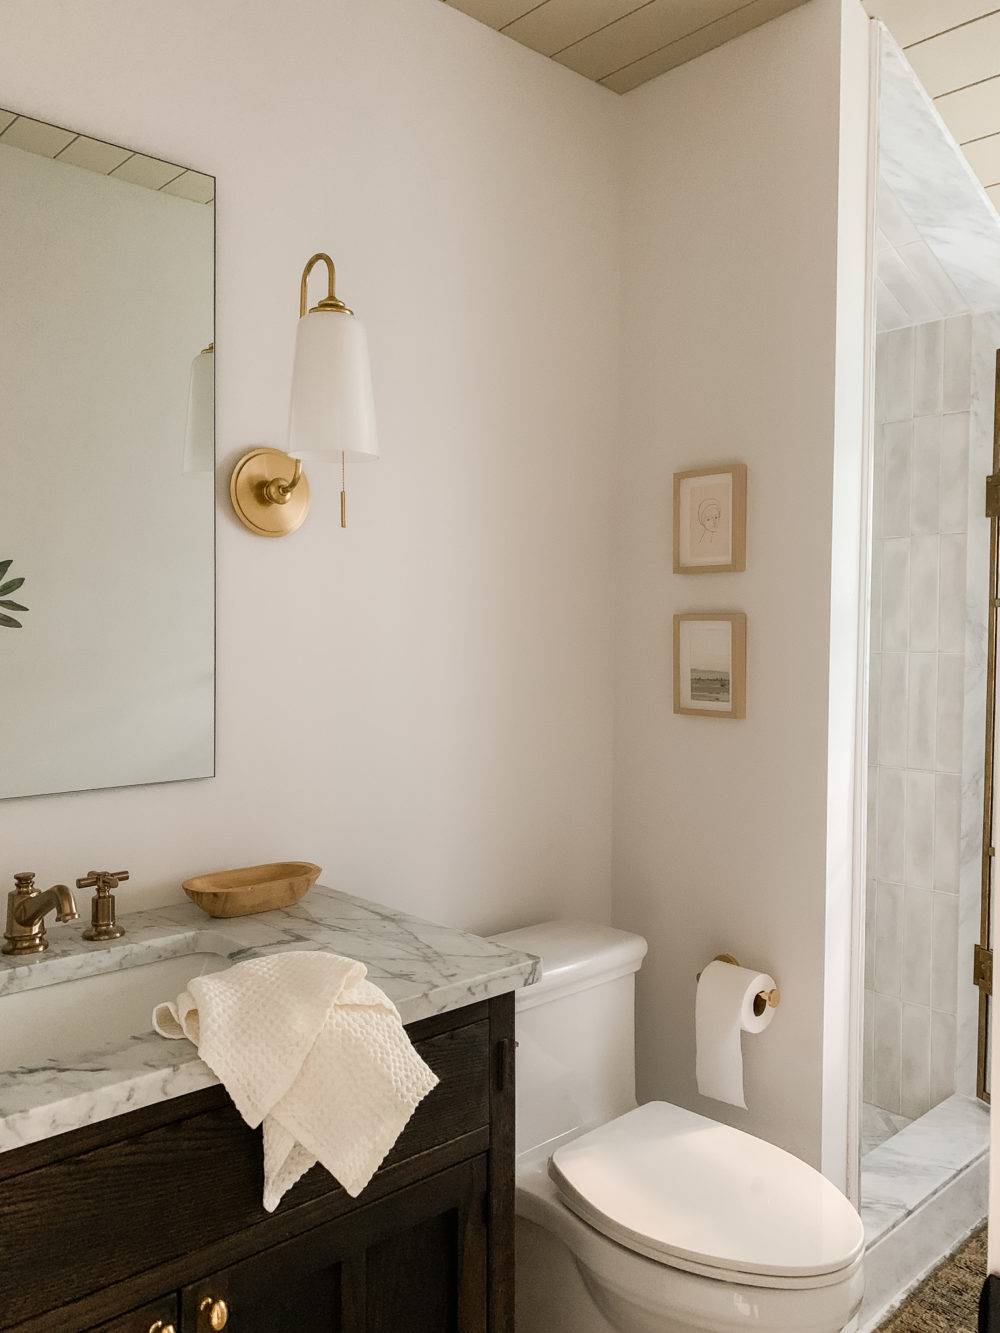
(709, 517)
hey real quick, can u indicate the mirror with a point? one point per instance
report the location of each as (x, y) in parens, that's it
(107, 529)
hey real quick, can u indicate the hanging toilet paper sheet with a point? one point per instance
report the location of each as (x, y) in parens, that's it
(724, 1010)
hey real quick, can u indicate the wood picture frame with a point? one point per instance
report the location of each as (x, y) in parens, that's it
(710, 520)
(710, 664)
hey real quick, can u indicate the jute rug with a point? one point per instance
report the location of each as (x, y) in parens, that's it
(947, 1301)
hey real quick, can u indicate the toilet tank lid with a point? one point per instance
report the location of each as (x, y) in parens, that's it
(575, 955)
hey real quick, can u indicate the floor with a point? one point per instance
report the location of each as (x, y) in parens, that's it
(947, 1301)
(878, 1125)
(902, 1171)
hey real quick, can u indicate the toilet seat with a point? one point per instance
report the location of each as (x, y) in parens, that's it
(692, 1194)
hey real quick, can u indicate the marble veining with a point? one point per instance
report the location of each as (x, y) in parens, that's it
(919, 1160)
(935, 185)
(424, 968)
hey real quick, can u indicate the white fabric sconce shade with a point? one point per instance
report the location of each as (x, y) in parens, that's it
(332, 407)
(199, 432)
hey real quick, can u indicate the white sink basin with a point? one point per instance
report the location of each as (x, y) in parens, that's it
(71, 1018)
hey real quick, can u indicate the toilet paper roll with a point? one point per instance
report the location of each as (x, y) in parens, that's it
(724, 1010)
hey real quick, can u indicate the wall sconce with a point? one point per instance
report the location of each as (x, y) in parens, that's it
(199, 432)
(332, 411)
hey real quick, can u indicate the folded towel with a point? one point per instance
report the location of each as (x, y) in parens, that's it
(309, 1048)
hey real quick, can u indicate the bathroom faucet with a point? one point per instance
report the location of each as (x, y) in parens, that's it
(27, 909)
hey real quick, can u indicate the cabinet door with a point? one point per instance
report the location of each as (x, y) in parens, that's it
(414, 1261)
(159, 1316)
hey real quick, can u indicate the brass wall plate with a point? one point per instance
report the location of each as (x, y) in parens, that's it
(246, 490)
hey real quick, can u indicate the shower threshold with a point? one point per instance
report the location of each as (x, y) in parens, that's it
(922, 1191)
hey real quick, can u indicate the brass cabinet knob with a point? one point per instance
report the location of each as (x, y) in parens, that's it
(215, 1313)
(161, 1327)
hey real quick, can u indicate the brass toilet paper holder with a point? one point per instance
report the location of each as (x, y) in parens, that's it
(763, 999)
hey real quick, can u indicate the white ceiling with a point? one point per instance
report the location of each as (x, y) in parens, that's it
(36, 136)
(954, 47)
(622, 43)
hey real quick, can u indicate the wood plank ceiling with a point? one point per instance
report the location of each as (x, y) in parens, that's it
(622, 43)
(954, 46)
(37, 136)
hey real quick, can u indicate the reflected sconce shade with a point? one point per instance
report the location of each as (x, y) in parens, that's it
(199, 433)
(332, 411)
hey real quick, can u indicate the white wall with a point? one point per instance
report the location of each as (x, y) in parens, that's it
(744, 297)
(107, 297)
(423, 703)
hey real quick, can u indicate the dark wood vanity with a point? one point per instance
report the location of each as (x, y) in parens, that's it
(153, 1219)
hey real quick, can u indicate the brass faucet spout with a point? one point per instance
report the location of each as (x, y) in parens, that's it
(30, 910)
(27, 909)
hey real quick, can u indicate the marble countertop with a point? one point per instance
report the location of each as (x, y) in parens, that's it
(425, 969)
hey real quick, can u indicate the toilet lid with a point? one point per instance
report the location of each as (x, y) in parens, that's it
(673, 1185)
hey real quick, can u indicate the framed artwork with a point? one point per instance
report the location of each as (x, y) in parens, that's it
(710, 663)
(710, 520)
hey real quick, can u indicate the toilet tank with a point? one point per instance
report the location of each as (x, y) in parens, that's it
(575, 1029)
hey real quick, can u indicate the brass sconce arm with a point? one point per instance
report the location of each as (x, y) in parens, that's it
(278, 491)
(331, 301)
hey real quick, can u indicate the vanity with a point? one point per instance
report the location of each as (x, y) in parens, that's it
(130, 1188)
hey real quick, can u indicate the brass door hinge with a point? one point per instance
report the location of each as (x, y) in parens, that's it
(982, 968)
(993, 495)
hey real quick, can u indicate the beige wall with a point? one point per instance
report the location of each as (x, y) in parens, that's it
(734, 273)
(423, 703)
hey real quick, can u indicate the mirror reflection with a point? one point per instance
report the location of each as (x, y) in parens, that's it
(107, 602)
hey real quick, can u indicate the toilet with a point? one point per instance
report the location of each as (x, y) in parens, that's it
(652, 1219)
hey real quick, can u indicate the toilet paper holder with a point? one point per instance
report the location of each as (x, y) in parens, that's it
(763, 999)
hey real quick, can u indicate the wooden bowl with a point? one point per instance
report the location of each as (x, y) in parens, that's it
(252, 888)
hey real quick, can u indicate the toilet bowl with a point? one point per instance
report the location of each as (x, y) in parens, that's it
(652, 1219)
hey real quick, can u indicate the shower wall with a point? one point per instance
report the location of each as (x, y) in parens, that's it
(913, 969)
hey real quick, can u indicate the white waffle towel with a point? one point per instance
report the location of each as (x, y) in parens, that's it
(309, 1048)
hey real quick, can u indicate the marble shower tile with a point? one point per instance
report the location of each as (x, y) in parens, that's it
(871, 900)
(951, 684)
(947, 802)
(876, 598)
(878, 482)
(896, 595)
(925, 477)
(881, 351)
(868, 1047)
(897, 438)
(915, 966)
(888, 1052)
(942, 1056)
(892, 712)
(921, 725)
(924, 575)
(954, 485)
(877, 1126)
(899, 375)
(871, 823)
(944, 959)
(918, 864)
(951, 596)
(874, 696)
(888, 938)
(928, 368)
(953, 1133)
(914, 1094)
(891, 818)
(957, 383)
